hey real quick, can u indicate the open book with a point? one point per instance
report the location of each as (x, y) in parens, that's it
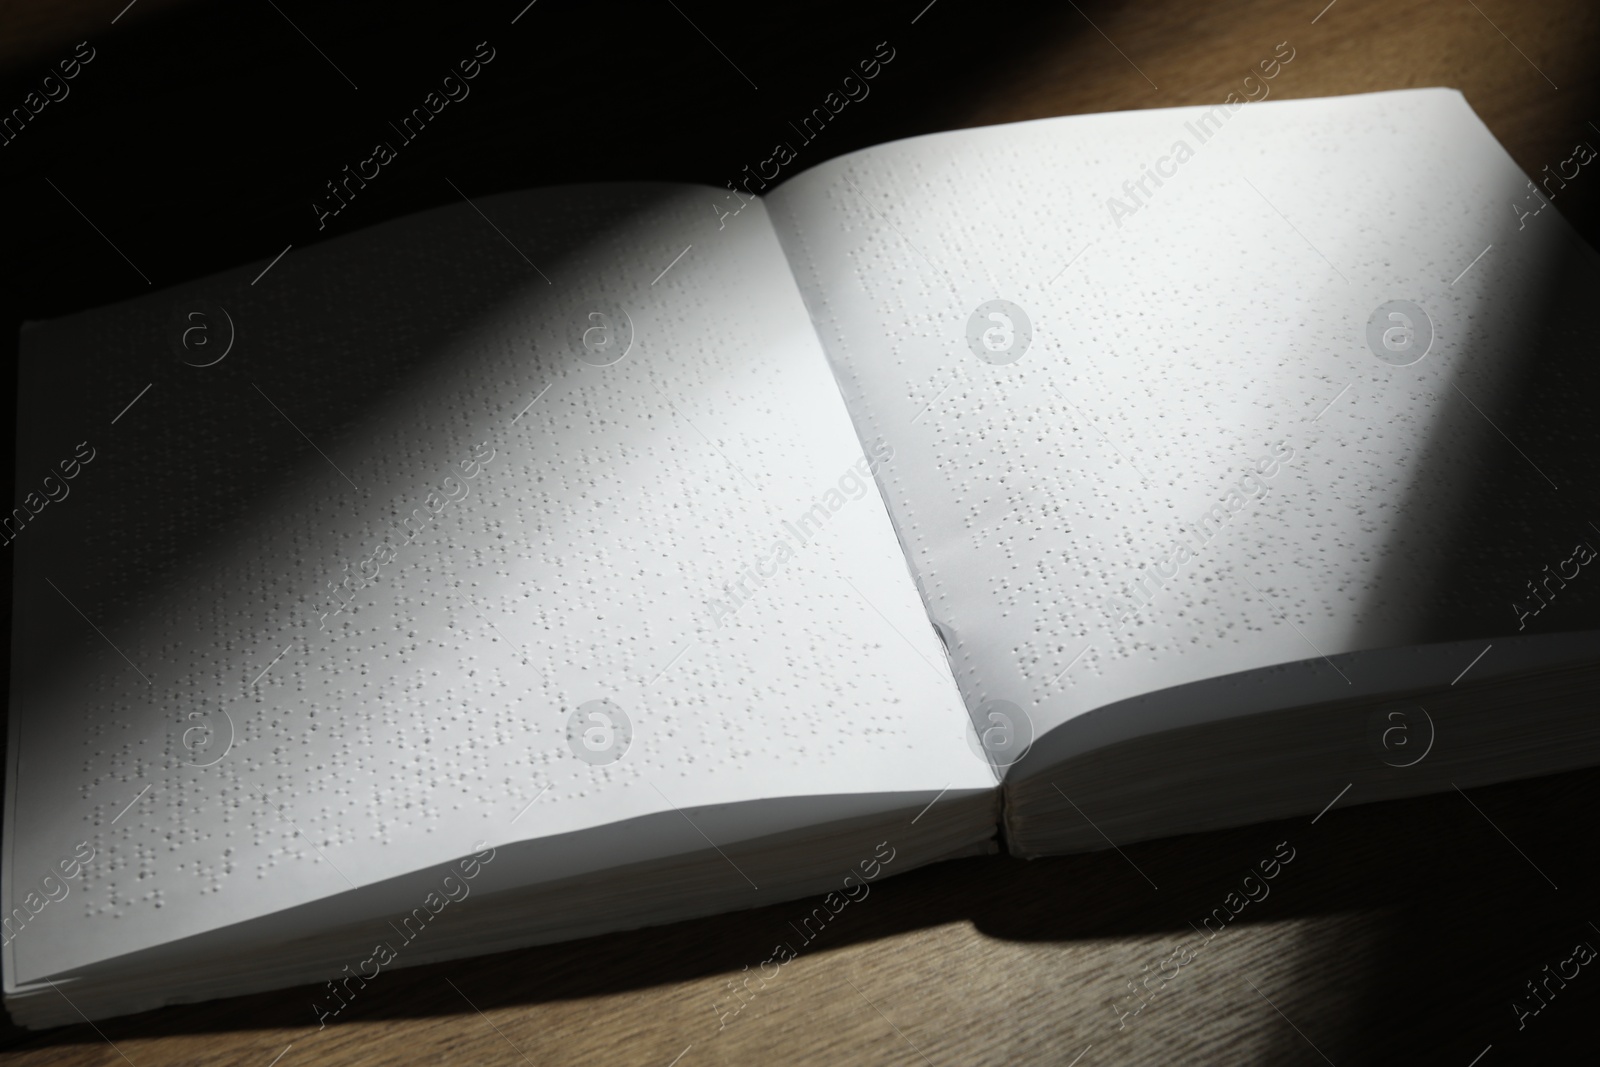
(579, 559)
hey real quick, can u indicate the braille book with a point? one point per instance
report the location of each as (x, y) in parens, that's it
(574, 560)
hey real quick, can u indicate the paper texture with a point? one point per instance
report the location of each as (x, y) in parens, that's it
(1143, 434)
(533, 524)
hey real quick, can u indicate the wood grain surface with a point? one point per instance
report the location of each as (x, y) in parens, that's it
(1401, 932)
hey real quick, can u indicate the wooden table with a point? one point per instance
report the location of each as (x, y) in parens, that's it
(1402, 932)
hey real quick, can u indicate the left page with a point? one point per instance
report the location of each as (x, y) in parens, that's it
(510, 519)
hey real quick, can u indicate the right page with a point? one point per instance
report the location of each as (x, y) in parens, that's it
(1184, 393)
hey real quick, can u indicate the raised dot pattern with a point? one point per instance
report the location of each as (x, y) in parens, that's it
(608, 507)
(1172, 349)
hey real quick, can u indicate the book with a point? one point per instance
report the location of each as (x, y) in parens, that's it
(579, 559)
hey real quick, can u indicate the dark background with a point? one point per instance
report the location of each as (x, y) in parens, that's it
(201, 133)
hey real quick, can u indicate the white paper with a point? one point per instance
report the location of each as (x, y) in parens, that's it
(1216, 321)
(580, 564)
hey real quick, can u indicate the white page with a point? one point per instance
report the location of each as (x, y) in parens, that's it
(1217, 319)
(579, 564)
